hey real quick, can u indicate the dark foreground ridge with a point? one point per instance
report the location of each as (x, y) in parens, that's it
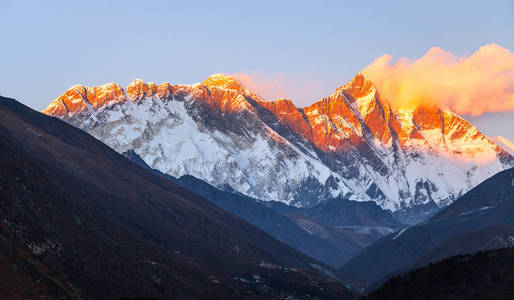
(331, 232)
(483, 275)
(482, 219)
(80, 221)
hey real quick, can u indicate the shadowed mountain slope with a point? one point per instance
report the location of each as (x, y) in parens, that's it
(482, 219)
(332, 232)
(94, 225)
(483, 275)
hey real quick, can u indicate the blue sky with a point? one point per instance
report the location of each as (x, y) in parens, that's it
(48, 46)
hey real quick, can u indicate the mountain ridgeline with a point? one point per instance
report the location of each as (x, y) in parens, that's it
(482, 219)
(483, 275)
(80, 221)
(350, 145)
(209, 191)
(332, 232)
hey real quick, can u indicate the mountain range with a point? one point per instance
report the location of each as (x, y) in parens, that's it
(482, 219)
(351, 145)
(210, 191)
(332, 232)
(80, 221)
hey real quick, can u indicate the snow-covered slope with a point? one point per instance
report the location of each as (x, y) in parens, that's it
(351, 144)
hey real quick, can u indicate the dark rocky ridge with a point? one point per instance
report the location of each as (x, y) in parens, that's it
(481, 219)
(88, 223)
(483, 275)
(319, 232)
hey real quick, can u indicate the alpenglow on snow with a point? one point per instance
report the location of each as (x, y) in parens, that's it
(351, 144)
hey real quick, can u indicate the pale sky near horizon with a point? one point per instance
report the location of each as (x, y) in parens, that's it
(308, 47)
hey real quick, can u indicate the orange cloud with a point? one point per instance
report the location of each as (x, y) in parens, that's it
(482, 82)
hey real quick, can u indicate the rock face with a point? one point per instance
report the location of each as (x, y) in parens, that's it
(351, 144)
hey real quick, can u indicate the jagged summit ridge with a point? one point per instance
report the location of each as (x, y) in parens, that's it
(352, 143)
(79, 97)
(223, 89)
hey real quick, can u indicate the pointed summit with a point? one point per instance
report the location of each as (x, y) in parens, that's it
(360, 86)
(223, 81)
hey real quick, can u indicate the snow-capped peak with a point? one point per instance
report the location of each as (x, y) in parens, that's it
(359, 87)
(223, 81)
(352, 143)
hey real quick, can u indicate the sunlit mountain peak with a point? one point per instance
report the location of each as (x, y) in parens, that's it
(224, 81)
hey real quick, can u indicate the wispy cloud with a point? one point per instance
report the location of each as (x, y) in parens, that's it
(301, 89)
